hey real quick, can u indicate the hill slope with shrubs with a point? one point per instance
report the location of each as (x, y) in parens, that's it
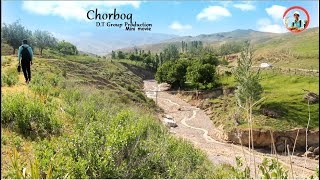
(85, 117)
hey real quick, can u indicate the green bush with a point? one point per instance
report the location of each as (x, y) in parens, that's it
(126, 145)
(201, 75)
(9, 78)
(29, 116)
(272, 169)
(46, 84)
(4, 138)
(17, 142)
(173, 72)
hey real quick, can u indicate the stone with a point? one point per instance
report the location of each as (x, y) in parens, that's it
(311, 97)
(316, 151)
(317, 157)
(169, 122)
(308, 154)
(300, 154)
(311, 149)
(270, 113)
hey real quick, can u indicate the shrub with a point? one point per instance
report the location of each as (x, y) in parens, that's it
(126, 145)
(173, 73)
(28, 116)
(47, 84)
(272, 169)
(4, 138)
(17, 142)
(201, 75)
(10, 77)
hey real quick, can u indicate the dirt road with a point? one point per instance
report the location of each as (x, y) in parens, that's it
(195, 126)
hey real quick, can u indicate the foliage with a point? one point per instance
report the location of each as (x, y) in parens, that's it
(239, 171)
(125, 145)
(4, 138)
(272, 169)
(113, 55)
(231, 48)
(171, 52)
(43, 40)
(67, 48)
(201, 75)
(173, 73)
(21, 172)
(10, 77)
(29, 116)
(248, 88)
(14, 33)
(120, 55)
(210, 59)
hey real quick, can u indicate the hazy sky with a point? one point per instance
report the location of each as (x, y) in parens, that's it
(170, 17)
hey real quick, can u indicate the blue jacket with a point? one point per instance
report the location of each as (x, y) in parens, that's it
(20, 50)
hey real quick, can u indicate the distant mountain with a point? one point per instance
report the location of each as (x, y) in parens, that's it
(290, 50)
(211, 39)
(102, 42)
(223, 36)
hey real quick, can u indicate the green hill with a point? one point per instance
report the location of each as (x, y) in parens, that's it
(85, 117)
(291, 50)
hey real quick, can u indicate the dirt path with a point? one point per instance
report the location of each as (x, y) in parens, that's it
(195, 126)
(21, 86)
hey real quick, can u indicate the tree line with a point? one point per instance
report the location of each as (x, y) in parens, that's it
(191, 66)
(14, 33)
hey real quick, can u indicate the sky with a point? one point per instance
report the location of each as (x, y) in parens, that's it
(168, 17)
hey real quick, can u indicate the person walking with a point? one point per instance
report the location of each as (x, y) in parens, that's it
(25, 55)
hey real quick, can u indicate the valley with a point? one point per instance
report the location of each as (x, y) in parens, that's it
(195, 126)
(89, 116)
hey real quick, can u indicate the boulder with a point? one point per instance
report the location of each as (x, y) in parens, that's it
(311, 97)
(316, 151)
(169, 122)
(300, 154)
(270, 113)
(308, 154)
(311, 149)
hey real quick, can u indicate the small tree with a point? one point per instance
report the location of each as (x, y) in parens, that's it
(43, 40)
(173, 73)
(249, 90)
(121, 55)
(132, 57)
(113, 55)
(67, 48)
(171, 52)
(14, 33)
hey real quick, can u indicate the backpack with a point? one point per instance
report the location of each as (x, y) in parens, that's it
(25, 54)
(299, 22)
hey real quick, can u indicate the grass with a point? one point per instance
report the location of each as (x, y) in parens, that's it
(291, 50)
(283, 94)
(107, 127)
(10, 78)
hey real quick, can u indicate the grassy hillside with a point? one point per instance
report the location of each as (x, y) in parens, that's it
(283, 94)
(298, 50)
(84, 117)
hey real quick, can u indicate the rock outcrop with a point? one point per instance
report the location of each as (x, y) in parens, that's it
(263, 138)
